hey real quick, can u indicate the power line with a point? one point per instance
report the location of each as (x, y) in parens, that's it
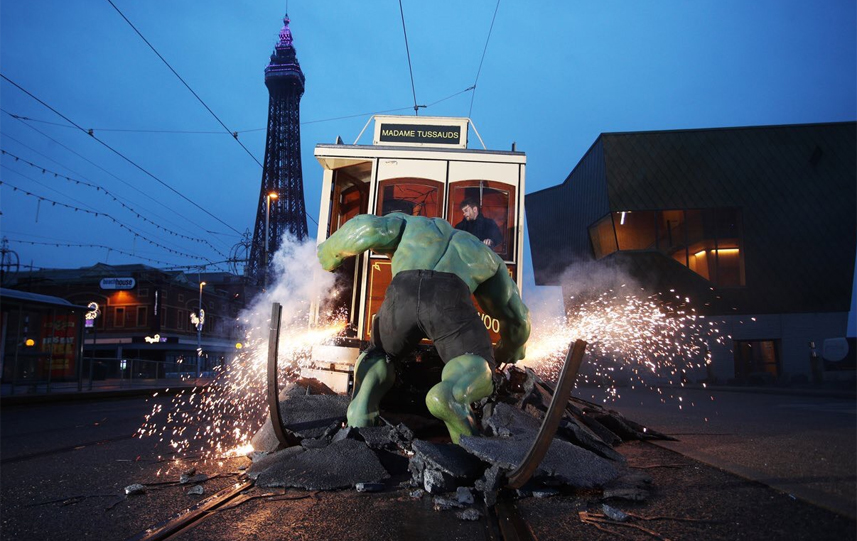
(473, 96)
(99, 214)
(49, 138)
(408, 50)
(195, 95)
(116, 199)
(203, 132)
(129, 160)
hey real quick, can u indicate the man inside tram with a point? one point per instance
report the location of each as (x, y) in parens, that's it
(481, 227)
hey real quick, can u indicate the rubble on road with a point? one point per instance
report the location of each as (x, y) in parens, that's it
(330, 455)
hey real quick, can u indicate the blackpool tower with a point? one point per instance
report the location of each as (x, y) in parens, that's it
(281, 205)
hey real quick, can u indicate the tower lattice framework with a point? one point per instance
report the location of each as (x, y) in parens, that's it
(282, 173)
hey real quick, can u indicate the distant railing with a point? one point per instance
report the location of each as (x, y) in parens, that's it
(104, 374)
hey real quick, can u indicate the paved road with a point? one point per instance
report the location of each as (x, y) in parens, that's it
(803, 445)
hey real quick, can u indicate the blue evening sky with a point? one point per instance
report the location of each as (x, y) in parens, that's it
(556, 75)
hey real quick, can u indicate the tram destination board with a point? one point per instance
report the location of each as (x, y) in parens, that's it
(422, 132)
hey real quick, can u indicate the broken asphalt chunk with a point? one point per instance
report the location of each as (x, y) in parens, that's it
(444, 504)
(564, 462)
(447, 458)
(135, 489)
(464, 495)
(614, 514)
(369, 487)
(341, 464)
(470, 514)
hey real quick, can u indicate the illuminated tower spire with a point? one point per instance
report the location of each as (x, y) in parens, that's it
(282, 176)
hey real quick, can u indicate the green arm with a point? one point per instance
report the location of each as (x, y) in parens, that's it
(361, 233)
(498, 296)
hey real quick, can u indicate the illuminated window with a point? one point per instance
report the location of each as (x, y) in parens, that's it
(496, 202)
(707, 241)
(635, 230)
(414, 196)
(672, 240)
(603, 237)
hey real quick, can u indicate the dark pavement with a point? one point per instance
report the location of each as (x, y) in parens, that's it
(64, 466)
(801, 444)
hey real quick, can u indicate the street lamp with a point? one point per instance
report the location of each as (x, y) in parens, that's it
(199, 321)
(272, 195)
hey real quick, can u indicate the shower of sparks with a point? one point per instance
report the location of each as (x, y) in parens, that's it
(633, 340)
(218, 420)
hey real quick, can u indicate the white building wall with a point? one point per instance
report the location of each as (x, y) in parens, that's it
(794, 331)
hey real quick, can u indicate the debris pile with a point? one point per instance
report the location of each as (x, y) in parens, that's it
(328, 455)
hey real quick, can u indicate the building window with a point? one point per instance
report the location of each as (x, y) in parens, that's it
(414, 196)
(119, 317)
(143, 292)
(496, 202)
(181, 297)
(707, 241)
(181, 322)
(757, 361)
(141, 316)
(635, 230)
(603, 237)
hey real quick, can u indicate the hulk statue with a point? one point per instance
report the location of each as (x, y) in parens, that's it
(435, 269)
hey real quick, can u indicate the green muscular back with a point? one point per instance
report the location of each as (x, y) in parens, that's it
(418, 243)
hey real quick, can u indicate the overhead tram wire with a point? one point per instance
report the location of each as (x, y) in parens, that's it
(473, 96)
(410, 67)
(207, 108)
(48, 137)
(99, 188)
(202, 132)
(129, 160)
(20, 117)
(195, 95)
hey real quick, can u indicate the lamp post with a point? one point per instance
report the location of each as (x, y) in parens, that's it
(272, 195)
(200, 321)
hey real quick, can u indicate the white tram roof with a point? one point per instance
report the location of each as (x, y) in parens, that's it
(436, 138)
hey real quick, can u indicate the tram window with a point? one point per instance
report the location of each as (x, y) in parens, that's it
(350, 195)
(494, 205)
(414, 196)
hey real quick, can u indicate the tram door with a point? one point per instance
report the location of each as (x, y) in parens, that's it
(350, 191)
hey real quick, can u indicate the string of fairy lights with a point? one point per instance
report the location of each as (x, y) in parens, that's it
(91, 245)
(97, 188)
(97, 214)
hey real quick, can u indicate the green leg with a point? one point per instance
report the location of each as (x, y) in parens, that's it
(373, 377)
(465, 379)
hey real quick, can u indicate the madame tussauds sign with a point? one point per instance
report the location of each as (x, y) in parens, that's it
(410, 133)
(118, 283)
(421, 131)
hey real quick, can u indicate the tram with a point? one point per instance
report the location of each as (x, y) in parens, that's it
(420, 166)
